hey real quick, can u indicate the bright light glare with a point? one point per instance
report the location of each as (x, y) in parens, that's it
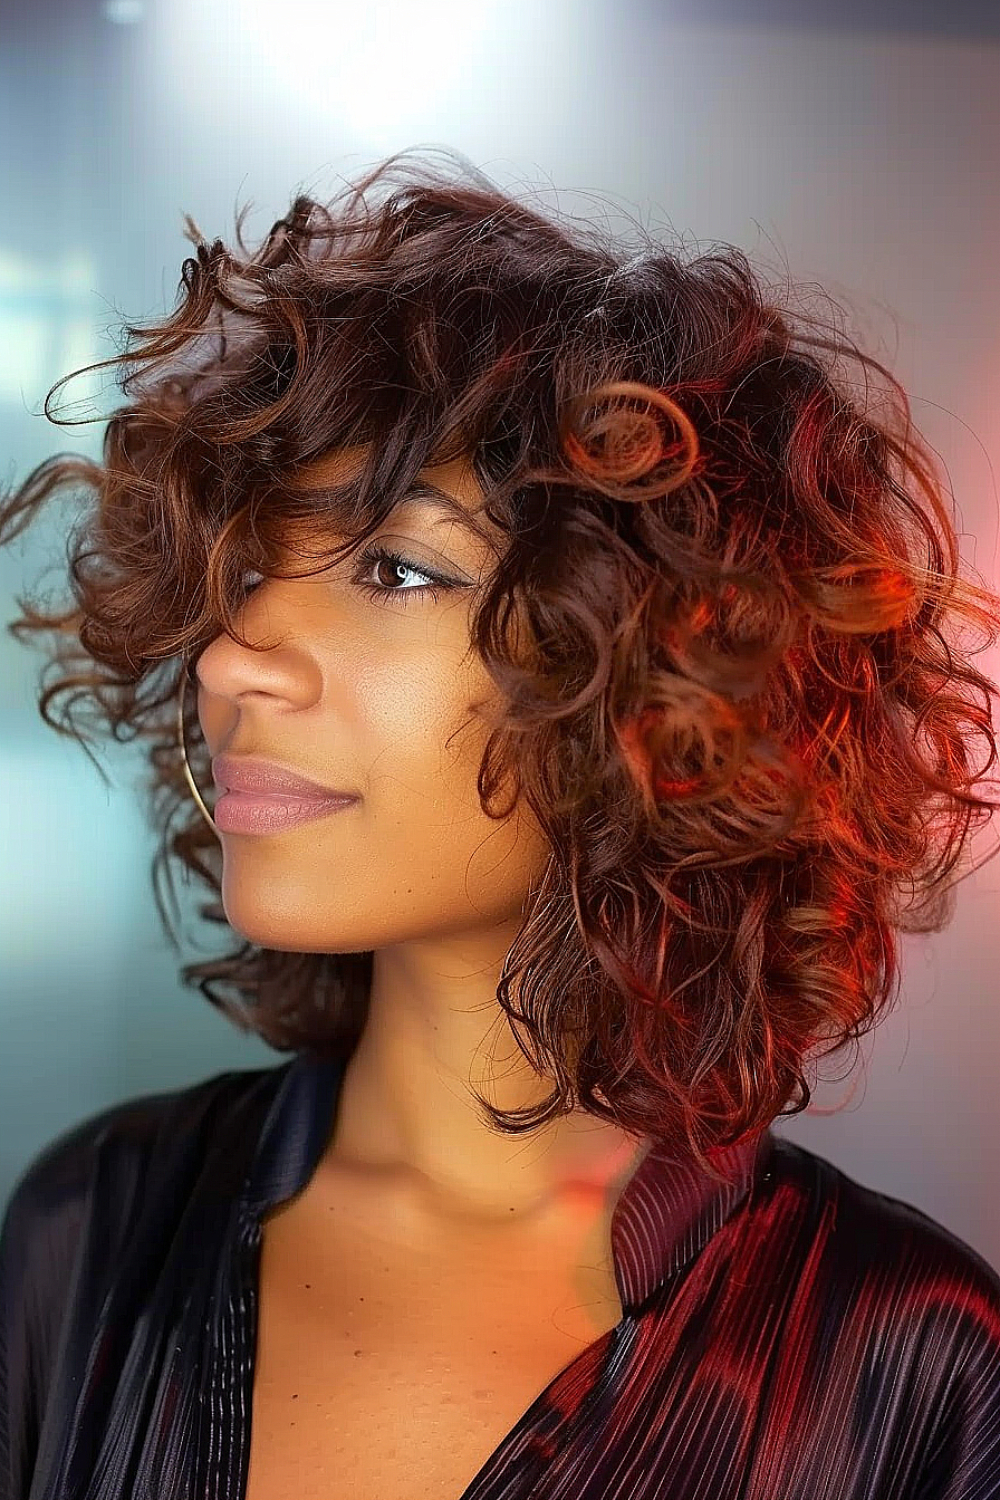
(365, 66)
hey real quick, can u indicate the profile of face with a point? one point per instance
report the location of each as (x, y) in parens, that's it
(373, 695)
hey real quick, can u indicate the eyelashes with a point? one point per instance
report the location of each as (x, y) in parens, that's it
(376, 554)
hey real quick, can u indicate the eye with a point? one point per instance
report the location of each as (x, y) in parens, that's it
(387, 563)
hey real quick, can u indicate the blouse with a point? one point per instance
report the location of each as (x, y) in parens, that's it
(789, 1334)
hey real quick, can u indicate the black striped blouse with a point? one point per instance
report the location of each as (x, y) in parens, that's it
(791, 1335)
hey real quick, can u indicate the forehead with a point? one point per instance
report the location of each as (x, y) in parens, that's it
(457, 477)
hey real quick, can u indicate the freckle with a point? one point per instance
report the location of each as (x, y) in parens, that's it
(295, 1396)
(309, 1287)
(357, 1352)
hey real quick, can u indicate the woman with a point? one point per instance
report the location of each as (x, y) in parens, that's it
(599, 620)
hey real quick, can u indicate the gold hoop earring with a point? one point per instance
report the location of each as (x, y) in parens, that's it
(187, 768)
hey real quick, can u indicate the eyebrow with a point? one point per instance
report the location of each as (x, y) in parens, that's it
(428, 496)
(425, 495)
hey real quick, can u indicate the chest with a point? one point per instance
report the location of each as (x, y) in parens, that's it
(392, 1370)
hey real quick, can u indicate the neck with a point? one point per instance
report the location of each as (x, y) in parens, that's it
(406, 1111)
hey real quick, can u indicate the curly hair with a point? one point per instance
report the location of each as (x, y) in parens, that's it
(724, 623)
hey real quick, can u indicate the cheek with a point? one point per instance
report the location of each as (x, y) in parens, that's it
(424, 728)
(425, 803)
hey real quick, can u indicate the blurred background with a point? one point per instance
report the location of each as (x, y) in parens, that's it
(851, 146)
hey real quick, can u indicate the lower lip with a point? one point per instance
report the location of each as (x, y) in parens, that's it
(249, 812)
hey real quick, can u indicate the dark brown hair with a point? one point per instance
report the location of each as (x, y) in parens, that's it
(741, 710)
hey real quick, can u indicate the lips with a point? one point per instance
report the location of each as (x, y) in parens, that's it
(241, 773)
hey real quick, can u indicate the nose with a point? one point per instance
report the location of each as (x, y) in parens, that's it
(232, 677)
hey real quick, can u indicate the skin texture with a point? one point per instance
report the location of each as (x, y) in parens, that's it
(362, 694)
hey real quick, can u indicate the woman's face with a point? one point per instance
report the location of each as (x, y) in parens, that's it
(374, 696)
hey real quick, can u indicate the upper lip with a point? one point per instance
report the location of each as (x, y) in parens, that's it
(241, 773)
